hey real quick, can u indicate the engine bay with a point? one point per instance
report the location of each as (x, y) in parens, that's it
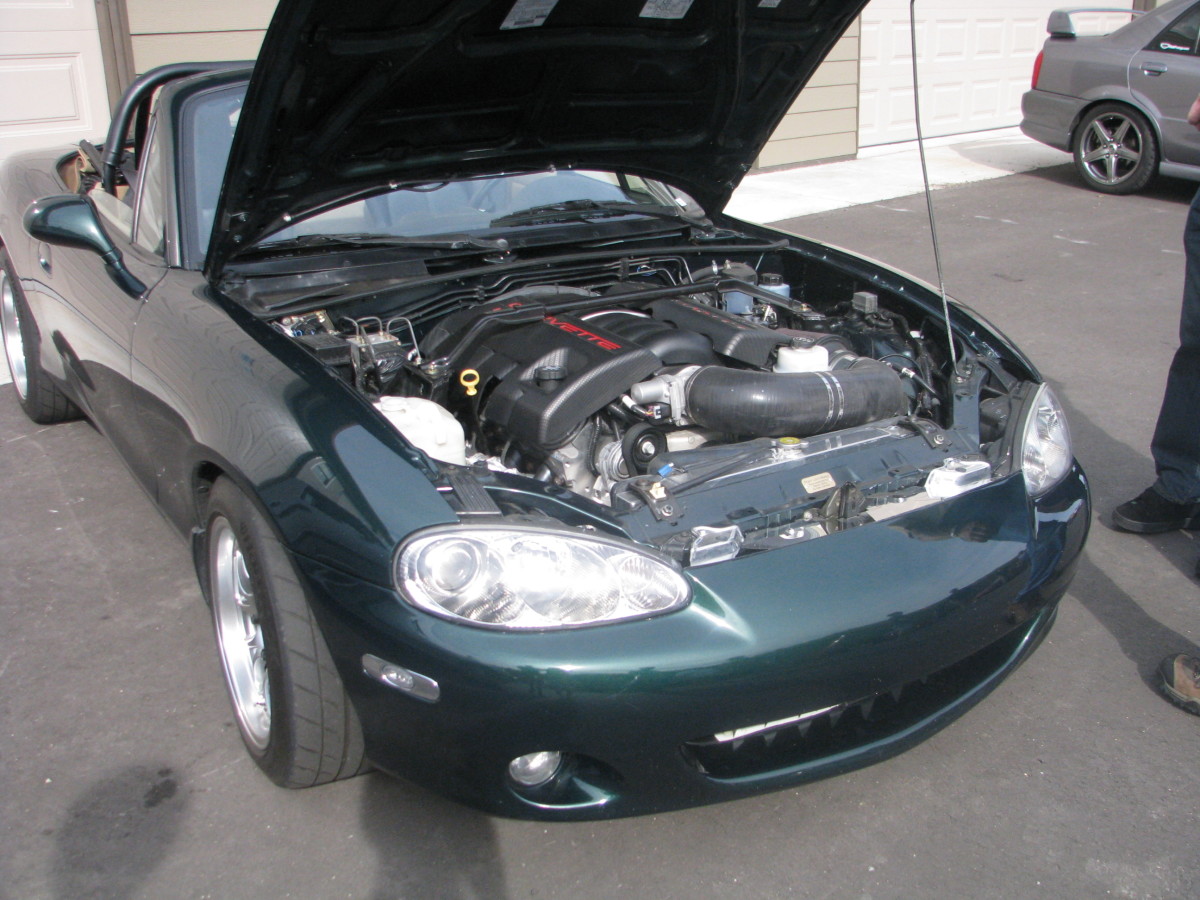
(706, 404)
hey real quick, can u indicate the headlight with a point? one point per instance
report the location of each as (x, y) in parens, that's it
(527, 578)
(1045, 443)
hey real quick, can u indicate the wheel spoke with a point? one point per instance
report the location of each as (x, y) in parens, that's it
(261, 700)
(245, 592)
(1101, 134)
(1121, 131)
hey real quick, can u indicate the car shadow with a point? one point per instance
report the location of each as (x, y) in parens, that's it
(1175, 190)
(1001, 153)
(428, 846)
(1112, 467)
(117, 832)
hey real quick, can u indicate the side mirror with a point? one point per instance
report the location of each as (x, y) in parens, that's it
(70, 220)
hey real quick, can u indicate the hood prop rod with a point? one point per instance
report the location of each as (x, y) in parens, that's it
(937, 255)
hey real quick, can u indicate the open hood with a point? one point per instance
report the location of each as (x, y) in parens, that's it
(348, 98)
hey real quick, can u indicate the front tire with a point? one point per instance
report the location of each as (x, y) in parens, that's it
(39, 396)
(1115, 149)
(291, 707)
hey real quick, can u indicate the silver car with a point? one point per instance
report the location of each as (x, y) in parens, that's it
(1119, 102)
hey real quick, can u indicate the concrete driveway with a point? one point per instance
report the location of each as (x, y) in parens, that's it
(123, 775)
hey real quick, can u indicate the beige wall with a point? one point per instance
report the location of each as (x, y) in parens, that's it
(52, 84)
(823, 122)
(166, 31)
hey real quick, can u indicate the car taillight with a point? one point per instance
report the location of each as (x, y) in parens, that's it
(1037, 67)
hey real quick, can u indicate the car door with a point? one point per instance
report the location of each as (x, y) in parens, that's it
(91, 319)
(198, 377)
(1164, 77)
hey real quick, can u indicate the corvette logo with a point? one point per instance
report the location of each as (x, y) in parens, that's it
(589, 336)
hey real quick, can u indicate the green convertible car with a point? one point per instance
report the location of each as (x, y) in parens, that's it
(510, 464)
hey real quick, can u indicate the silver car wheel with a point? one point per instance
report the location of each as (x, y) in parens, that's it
(14, 344)
(239, 635)
(1112, 148)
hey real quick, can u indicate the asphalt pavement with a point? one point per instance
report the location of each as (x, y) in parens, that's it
(123, 774)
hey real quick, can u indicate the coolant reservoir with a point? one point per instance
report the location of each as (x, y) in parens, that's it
(427, 425)
(802, 359)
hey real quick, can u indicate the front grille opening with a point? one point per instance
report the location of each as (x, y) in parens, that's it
(808, 737)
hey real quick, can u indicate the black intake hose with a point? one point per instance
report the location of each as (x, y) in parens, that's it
(799, 404)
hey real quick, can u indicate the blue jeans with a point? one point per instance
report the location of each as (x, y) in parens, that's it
(1176, 443)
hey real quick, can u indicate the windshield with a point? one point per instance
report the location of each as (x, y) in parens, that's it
(481, 205)
(478, 206)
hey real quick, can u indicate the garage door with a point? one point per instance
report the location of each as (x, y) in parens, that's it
(51, 74)
(975, 58)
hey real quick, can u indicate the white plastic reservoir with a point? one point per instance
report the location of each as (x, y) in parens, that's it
(427, 425)
(802, 359)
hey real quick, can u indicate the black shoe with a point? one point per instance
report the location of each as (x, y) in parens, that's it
(1180, 675)
(1152, 513)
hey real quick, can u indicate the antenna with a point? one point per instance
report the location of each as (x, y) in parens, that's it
(937, 254)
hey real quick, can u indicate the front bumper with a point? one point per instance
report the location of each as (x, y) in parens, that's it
(855, 646)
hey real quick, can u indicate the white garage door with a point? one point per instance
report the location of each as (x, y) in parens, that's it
(975, 59)
(51, 74)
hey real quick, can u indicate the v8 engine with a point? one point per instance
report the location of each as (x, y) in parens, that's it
(592, 396)
(587, 387)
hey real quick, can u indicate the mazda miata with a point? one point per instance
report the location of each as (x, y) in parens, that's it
(510, 465)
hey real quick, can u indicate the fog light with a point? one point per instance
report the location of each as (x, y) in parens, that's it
(533, 769)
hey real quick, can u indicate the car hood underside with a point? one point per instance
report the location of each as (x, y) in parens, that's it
(349, 98)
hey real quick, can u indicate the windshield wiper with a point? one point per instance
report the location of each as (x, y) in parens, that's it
(570, 210)
(438, 242)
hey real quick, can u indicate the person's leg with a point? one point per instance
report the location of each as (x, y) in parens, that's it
(1176, 443)
(1172, 501)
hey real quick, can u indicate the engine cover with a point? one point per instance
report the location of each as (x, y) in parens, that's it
(538, 382)
(731, 336)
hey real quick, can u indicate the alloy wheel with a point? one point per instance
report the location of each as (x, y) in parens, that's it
(1112, 148)
(14, 344)
(239, 631)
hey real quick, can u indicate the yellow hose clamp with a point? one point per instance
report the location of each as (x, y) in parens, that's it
(469, 379)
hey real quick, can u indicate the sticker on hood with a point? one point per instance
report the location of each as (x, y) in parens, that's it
(528, 14)
(665, 9)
